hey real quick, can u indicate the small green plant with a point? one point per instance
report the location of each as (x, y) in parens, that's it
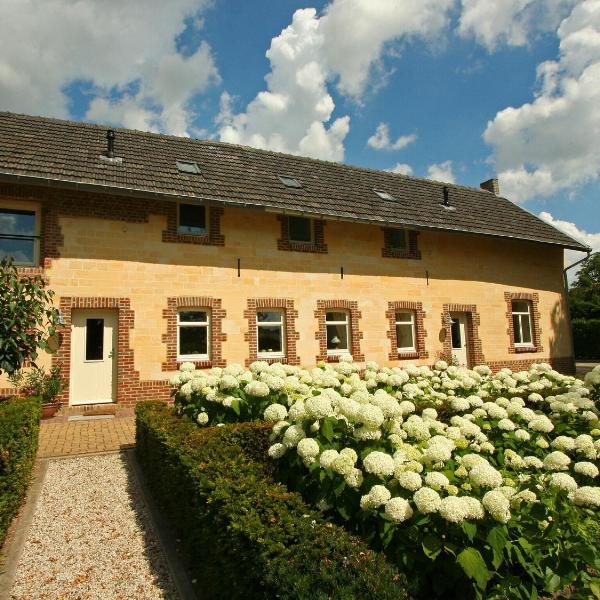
(37, 382)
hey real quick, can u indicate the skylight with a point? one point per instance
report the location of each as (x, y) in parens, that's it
(384, 195)
(186, 166)
(290, 182)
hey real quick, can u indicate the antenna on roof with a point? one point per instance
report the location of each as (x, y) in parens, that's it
(110, 137)
(446, 194)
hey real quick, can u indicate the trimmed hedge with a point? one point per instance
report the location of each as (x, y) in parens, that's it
(19, 427)
(586, 338)
(244, 534)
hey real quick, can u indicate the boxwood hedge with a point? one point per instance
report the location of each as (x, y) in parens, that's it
(243, 534)
(19, 427)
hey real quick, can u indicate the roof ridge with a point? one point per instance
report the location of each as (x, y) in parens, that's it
(246, 148)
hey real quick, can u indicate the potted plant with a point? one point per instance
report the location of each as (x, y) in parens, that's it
(45, 385)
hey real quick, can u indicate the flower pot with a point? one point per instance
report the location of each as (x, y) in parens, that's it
(49, 410)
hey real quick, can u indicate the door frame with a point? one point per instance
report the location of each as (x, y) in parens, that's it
(76, 358)
(474, 347)
(125, 372)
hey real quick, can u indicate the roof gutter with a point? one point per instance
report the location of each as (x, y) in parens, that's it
(136, 192)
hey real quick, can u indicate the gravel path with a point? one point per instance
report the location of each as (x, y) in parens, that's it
(91, 537)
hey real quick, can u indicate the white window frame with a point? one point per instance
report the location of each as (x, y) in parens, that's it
(519, 314)
(312, 230)
(340, 351)
(183, 230)
(280, 323)
(35, 208)
(207, 324)
(413, 348)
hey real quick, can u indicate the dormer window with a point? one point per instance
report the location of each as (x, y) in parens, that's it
(385, 195)
(301, 229)
(192, 219)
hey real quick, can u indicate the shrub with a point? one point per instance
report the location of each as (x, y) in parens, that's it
(19, 427)
(473, 483)
(586, 337)
(246, 536)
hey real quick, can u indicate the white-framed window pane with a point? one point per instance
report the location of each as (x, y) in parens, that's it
(522, 322)
(405, 330)
(270, 339)
(526, 329)
(300, 229)
(337, 337)
(520, 306)
(336, 317)
(193, 316)
(18, 235)
(192, 218)
(269, 316)
(193, 341)
(397, 238)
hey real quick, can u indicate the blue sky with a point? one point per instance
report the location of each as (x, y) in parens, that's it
(459, 90)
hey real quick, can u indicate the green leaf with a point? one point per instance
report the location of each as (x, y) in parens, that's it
(470, 529)
(497, 539)
(327, 430)
(474, 566)
(235, 405)
(432, 546)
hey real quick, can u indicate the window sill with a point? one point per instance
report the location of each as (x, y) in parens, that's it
(525, 349)
(202, 363)
(303, 247)
(390, 253)
(407, 354)
(29, 270)
(336, 357)
(273, 359)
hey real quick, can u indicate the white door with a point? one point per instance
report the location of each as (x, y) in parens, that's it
(458, 330)
(93, 356)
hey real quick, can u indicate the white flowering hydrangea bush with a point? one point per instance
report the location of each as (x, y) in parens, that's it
(476, 484)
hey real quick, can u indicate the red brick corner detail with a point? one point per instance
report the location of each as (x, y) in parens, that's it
(533, 300)
(213, 237)
(130, 388)
(290, 333)
(318, 246)
(355, 333)
(474, 347)
(420, 333)
(217, 337)
(413, 246)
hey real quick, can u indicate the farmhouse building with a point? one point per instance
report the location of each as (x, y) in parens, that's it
(163, 249)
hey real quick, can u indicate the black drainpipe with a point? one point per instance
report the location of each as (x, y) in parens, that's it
(566, 284)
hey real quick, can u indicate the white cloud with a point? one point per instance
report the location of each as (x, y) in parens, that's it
(112, 46)
(401, 169)
(512, 22)
(551, 143)
(380, 140)
(441, 172)
(590, 239)
(344, 45)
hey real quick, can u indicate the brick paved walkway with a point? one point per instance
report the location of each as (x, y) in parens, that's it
(85, 436)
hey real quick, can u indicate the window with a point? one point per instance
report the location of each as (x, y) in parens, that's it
(18, 235)
(397, 239)
(290, 182)
(192, 335)
(270, 333)
(300, 229)
(405, 331)
(192, 219)
(385, 196)
(94, 339)
(186, 166)
(337, 331)
(521, 316)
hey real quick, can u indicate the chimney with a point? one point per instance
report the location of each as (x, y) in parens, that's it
(110, 150)
(491, 185)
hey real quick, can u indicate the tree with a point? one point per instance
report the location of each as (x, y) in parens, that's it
(27, 317)
(584, 296)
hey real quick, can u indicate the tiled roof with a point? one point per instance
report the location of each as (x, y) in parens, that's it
(68, 153)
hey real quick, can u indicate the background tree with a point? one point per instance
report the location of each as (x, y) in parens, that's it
(584, 301)
(584, 295)
(27, 317)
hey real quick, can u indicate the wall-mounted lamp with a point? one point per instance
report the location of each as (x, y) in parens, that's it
(60, 319)
(448, 320)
